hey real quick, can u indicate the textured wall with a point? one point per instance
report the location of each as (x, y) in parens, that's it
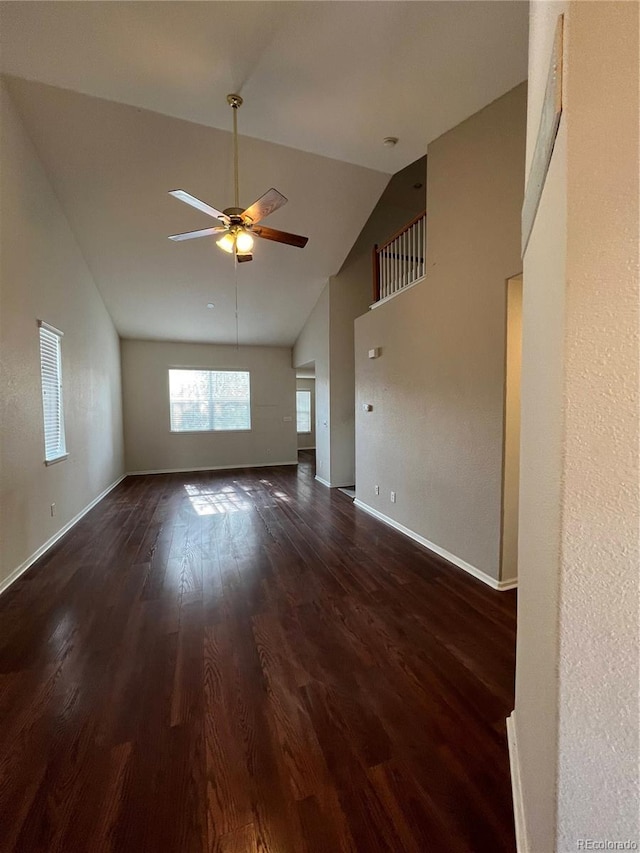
(598, 784)
(149, 443)
(435, 435)
(541, 460)
(577, 661)
(327, 337)
(351, 296)
(44, 276)
(539, 519)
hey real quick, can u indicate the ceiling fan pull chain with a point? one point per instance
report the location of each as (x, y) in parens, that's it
(235, 266)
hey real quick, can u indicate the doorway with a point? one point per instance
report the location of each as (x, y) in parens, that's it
(306, 413)
(511, 447)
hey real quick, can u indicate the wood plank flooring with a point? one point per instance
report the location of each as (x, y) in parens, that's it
(242, 662)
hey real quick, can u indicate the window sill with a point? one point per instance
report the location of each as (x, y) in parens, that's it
(207, 431)
(57, 459)
(307, 432)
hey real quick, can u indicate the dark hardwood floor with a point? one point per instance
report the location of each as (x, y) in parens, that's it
(243, 661)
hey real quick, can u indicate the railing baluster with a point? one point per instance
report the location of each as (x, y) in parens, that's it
(397, 265)
(383, 292)
(402, 260)
(393, 266)
(410, 258)
(384, 270)
(411, 230)
(388, 273)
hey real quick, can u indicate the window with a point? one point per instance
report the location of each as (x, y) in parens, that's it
(51, 373)
(209, 400)
(303, 410)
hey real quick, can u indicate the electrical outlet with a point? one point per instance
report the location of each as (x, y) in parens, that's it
(393, 497)
(53, 510)
(376, 489)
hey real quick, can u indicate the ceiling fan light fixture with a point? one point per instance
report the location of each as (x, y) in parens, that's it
(244, 242)
(226, 243)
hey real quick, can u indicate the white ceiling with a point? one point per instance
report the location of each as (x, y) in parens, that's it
(327, 78)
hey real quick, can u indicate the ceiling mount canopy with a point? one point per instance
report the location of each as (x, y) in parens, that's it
(239, 225)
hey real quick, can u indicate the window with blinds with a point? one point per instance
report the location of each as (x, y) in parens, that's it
(303, 410)
(209, 400)
(51, 375)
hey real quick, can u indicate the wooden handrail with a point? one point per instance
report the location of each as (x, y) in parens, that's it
(402, 230)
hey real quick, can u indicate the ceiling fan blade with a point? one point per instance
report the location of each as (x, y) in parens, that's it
(242, 259)
(280, 236)
(204, 232)
(181, 195)
(265, 205)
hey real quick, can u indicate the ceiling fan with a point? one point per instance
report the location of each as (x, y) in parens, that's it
(239, 226)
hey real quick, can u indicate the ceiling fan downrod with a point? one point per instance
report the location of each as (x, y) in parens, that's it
(235, 102)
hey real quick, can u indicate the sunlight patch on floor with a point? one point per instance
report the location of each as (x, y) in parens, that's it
(209, 501)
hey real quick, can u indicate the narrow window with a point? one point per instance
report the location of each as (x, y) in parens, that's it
(55, 447)
(303, 410)
(209, 400)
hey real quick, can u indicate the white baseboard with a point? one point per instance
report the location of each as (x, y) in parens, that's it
(457, 561)
(516, 785)
(15, 574)
(210, 468)
(332, 485)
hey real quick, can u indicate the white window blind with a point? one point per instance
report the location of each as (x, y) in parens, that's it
(51, 375)
(209, 400)
(303, 410)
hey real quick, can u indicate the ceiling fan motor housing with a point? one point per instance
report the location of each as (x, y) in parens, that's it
(234, 214)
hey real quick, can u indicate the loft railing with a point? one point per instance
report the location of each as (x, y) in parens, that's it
(400, 262)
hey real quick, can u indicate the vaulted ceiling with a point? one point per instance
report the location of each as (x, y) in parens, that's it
(125, 101)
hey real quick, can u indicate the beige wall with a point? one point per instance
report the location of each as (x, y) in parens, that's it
(151, 446)
(312, 347)
(435, 435)
(43, 276)
(511, 470)
(327, 337)
(577, 661)
(350, 297)
(308, 440)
